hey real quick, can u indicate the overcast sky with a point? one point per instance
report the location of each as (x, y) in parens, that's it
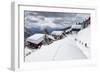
(52, 19)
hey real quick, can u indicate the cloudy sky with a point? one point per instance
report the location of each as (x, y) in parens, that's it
(52, 19)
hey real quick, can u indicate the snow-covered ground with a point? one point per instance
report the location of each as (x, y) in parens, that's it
(64, 49)
(84, 37)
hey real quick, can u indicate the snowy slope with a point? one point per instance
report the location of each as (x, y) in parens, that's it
(69, 50)
(84, 37)
(64, 49)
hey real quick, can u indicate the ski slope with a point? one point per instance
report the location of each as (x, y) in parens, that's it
(64, 49)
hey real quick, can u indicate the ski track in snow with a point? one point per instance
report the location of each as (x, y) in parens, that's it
(64, 49)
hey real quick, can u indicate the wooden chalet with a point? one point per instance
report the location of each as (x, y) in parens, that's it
(58, 34)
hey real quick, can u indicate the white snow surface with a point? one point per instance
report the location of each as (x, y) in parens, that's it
(64, 49)
(84, 37)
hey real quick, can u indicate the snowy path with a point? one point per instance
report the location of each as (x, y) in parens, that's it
(64, 49)
(69, 50)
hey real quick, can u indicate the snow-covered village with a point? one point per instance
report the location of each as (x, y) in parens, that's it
(56, 36)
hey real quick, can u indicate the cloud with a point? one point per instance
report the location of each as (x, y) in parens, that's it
(52, 19)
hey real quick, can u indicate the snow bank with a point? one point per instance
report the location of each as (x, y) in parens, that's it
(83, 41)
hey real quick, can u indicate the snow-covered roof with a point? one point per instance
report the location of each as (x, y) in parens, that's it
(76, 26)
(36, 38)
(57, 32)
(68, 30)
(51, 37)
